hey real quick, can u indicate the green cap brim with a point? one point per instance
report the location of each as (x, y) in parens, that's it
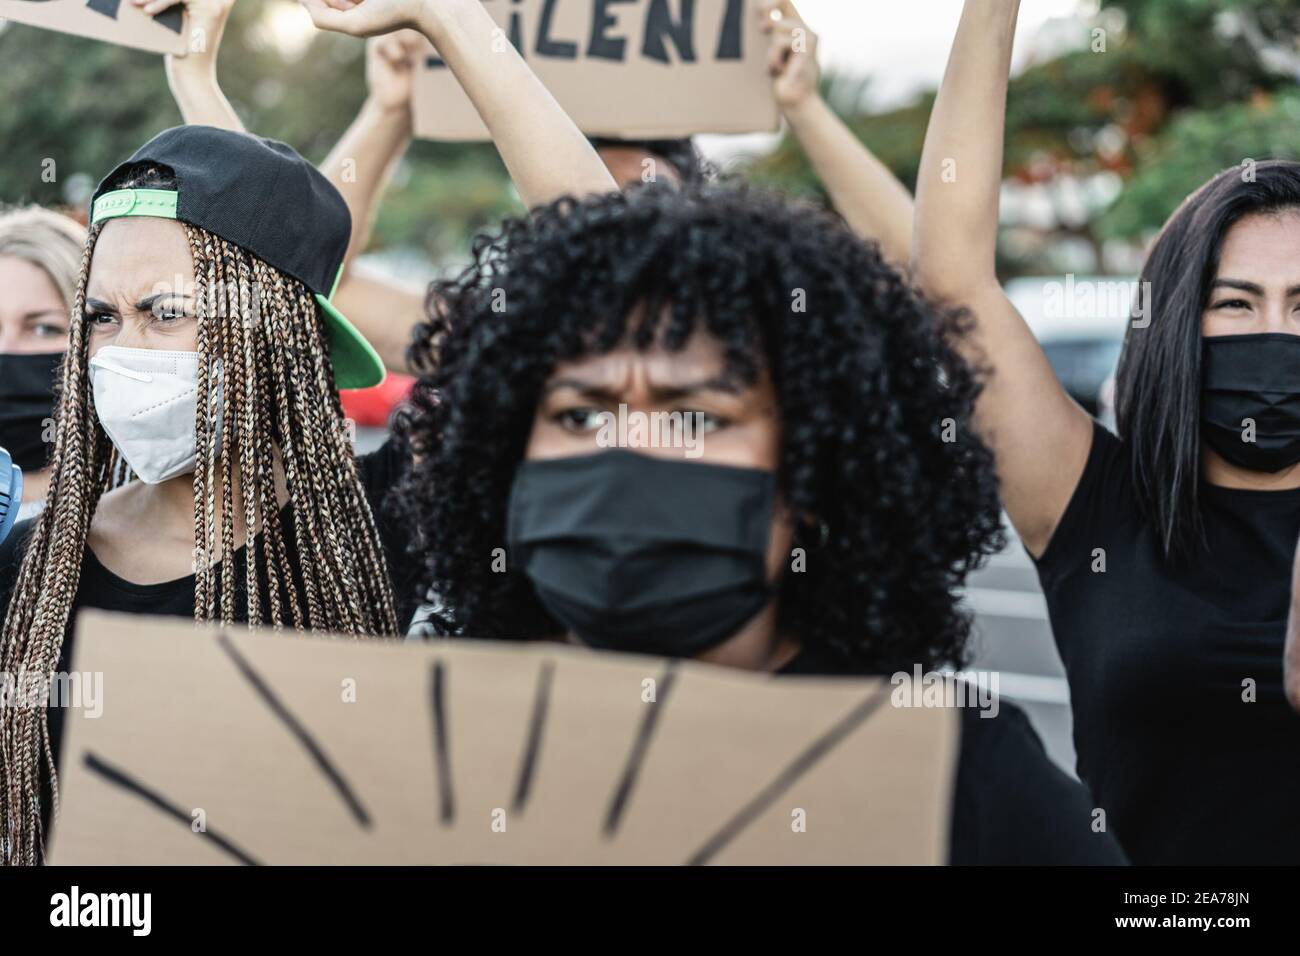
(356, 363)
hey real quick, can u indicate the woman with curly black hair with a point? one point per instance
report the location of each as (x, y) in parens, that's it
(809, 504)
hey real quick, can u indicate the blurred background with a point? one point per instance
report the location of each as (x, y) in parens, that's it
(1118, 109)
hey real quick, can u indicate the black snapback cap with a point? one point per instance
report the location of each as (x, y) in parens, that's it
(262, 196)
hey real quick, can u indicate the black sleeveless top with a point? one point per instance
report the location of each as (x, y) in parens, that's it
(1181, 724)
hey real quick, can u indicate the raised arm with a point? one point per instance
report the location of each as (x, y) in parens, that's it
(362, 162)
(863, 189)
(546, 154)
(1040, 436)
(193, 78)
(360, 167)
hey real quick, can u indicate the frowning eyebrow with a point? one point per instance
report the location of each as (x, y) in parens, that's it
(718, 383)
(144, 305)
(1253, 288)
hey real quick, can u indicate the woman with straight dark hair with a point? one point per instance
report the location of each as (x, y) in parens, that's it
(1165, 552)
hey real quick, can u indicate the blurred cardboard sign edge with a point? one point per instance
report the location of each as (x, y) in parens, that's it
(635, 97)
(113, 21)
(183, 720)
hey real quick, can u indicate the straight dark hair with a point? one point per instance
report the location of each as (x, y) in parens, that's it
(1158, 388)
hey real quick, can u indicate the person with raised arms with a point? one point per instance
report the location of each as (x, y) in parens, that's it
(1164, 551)
(862, 189)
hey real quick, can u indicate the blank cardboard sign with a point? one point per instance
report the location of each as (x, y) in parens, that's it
(237, 747)
(628, 68)
(113, 20)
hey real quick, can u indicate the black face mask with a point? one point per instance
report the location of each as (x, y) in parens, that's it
(1252, 378)
(26, 401)
(640, 554)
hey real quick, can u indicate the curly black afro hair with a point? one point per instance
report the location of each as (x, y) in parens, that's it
(894, 497)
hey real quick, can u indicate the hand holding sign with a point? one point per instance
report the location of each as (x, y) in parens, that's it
(368, 18)
(193, 78)
(546, 155)
(390, 68)
(792, 58)
(207, 20)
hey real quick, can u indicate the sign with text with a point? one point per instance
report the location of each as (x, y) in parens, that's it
(207, 746)
(116, 21)
(644, 69)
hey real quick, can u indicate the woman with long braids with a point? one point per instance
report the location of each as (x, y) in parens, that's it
(217, 390)
(1164, 551)
(204, 360)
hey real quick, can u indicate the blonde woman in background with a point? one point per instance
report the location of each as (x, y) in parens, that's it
(40, 258)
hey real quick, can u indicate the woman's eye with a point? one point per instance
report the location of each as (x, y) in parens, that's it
(100, 318)
(581, 419)
(702, 422)
(1233, 304)
(49, 331)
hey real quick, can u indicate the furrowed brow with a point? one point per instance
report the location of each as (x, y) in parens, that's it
(1238, 284)
(148, 303)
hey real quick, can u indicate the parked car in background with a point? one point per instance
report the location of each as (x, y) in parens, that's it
(1080, 321)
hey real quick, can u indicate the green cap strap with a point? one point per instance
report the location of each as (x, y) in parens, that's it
(157, 203)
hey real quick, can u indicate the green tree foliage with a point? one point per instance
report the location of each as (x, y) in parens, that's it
(1166, 94)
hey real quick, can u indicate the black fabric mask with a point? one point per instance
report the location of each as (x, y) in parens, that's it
(1255, 377)
(26, 401)
(644, 555)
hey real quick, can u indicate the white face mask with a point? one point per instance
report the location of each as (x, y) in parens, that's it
(146, 401)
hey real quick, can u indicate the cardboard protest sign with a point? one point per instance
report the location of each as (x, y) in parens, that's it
(628, 68)
(236, 747)
(113, 20)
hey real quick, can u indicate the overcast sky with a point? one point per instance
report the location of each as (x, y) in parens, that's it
(902, 45)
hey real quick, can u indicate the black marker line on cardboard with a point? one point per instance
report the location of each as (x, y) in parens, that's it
(171, 19)
(801, 764)
(297, 730)
(441, 750)
(659, 24)
(640, 747)
(533, 744)
(120, 778)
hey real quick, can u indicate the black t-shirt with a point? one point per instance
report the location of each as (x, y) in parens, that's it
(1011, 804)
(101, 588)
(1163, 662)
